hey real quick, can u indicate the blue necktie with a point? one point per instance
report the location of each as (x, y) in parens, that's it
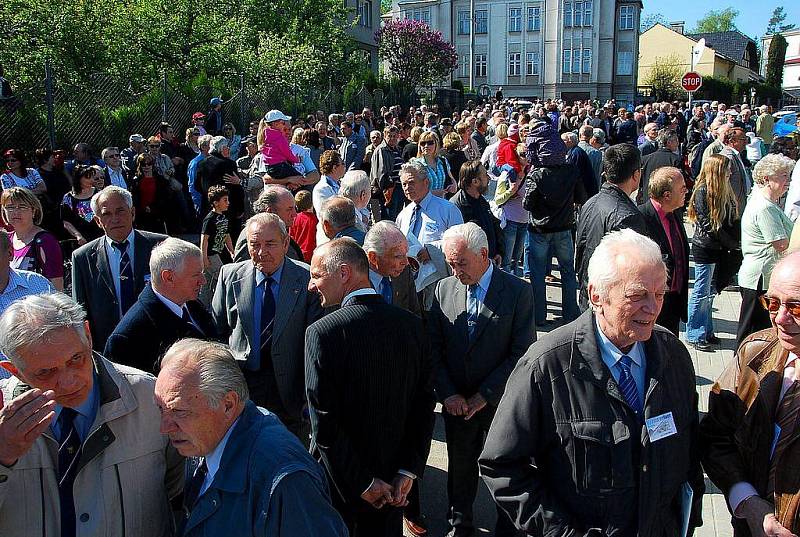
(69, 453)
(267, 319)
(472, 311)
(628, 385)
(386, 289)
(415, 225)
(127, 286)
(195, 484)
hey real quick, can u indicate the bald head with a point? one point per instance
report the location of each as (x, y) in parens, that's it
(783, 293)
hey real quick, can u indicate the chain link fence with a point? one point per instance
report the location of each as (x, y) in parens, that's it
(105, 110)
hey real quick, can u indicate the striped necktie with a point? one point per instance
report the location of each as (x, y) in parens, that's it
(628, 385)
(127, 285)
(786, 420)
(69, 453)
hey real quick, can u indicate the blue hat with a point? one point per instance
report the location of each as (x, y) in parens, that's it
(215, 101)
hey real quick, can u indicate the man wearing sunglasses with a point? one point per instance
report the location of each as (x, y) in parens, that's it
(749, 433)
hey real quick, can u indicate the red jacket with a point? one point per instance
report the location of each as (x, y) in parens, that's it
(304, 233)
(507, 153)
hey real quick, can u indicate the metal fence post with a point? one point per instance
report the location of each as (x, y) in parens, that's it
(48, 85)
(244, 121)
(164, 103)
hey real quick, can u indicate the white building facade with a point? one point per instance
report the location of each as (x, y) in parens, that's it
(559, 49)
(791, 64)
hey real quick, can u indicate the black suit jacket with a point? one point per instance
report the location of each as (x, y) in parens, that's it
(504, 332)
(93, 288)
(658, 159)
(149, 328)
(656, 232)
(369, 394)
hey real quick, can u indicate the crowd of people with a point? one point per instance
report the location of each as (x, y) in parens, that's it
(219, 334)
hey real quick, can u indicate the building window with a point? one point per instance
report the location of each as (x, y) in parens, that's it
(577, 14)
(587, 60)
(567, 14)
(576, 60)
(464, 66)
(587, 13)
(463, 22)
(365, 13)
(626, 18)
(481, 21)
(515, 19)
(480, 65)
(423, 15)
(514, 64)
(532, 63)
(625, 63)
(567, 61)
(534, 19)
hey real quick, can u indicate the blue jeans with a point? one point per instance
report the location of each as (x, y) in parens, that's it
(699, 321)
(561, 245)
(514, 236)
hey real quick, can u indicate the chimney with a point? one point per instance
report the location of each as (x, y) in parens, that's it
(677, 26)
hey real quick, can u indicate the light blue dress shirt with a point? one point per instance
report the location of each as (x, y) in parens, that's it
(114, 257)
(214, 459)
(87, 412)
(259, 298)
(437, 214)
(611, 355)
(483, 287)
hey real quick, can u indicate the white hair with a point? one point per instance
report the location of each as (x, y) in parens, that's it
(204, 142)
(609, 260)
(218, 143)
(215, 365)
(771, 164)
(381, 236)
(111, 190)
(416, 167)
(471, 233)
(170, 254)
(267, 219)
(353, 184)
(28, 320)
(571, 136)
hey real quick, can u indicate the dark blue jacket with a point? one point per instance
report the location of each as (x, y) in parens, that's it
(267, 485)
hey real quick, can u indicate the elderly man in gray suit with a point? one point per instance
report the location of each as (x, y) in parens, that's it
(109, 273)
(480, 324)
(262, 307)
(734, 142)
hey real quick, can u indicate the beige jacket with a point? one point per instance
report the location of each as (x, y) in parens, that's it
(127, 475)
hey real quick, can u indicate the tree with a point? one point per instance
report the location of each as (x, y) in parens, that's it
(664, 77)
(717, 21)
(775, 22)
(775, 59)
(416, 54)
(650, 20)
(386, 6)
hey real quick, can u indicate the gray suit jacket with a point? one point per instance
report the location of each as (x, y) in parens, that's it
(504, 332)
(296, 309)
(740, 177)
(93, 287)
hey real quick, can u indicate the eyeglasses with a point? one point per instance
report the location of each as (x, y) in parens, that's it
(19, 208)
(773, 304)
(427, 143)
(157, 146)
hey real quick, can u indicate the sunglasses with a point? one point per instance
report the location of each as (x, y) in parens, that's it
(427, 143)
(773, 304)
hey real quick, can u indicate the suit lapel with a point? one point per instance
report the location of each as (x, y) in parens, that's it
(103, 266)
(244, 291)
(491, 303)
(141, 249)
(288, 292)
(459, 306)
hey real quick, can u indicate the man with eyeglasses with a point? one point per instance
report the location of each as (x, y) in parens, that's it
(115, 174)
(748, 434)
(735, 141)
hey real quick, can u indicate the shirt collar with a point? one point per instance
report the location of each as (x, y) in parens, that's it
(611, 354)
(129, 238)
(424, 202)
(15, 280)
(261, 277)
(358, 292)
(375, 278)
(214, 458)
(87, 408)
(173, 307)
(659, 209)
(486, 279)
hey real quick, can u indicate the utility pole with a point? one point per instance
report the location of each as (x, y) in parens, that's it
(471, 44)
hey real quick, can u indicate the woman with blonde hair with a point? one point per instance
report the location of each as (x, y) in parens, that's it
(439, 173)
(715, 215)
(765, 237)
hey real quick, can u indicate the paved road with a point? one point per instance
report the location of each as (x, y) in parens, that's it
(708, 365)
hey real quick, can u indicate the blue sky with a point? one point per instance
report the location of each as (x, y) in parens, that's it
(752, 20)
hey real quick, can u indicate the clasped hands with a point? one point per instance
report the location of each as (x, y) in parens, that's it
(457, 405)
(381, 493)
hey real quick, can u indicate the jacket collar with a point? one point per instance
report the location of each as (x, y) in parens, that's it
(232, 475)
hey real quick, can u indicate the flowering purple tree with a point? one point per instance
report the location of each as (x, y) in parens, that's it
(417, 55)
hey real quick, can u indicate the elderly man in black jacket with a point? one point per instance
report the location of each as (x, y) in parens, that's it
(597, 431)
(551, 193)
(219, 169)
(610, 209)
(666, 155)
(473, 182)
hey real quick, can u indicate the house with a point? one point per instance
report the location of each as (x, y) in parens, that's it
(558, 49)
(367, 17)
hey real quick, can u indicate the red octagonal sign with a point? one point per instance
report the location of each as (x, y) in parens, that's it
(691, 81)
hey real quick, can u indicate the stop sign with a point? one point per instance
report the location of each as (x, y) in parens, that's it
(691, 81)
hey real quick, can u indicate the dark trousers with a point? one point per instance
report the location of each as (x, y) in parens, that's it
(263, 390)
(670, 316)
(752, 315)
(365, 521)
(465, 441)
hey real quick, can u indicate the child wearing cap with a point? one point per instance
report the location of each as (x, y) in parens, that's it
(277, 155)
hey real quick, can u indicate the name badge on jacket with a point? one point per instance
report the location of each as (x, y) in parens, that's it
(659, 427)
